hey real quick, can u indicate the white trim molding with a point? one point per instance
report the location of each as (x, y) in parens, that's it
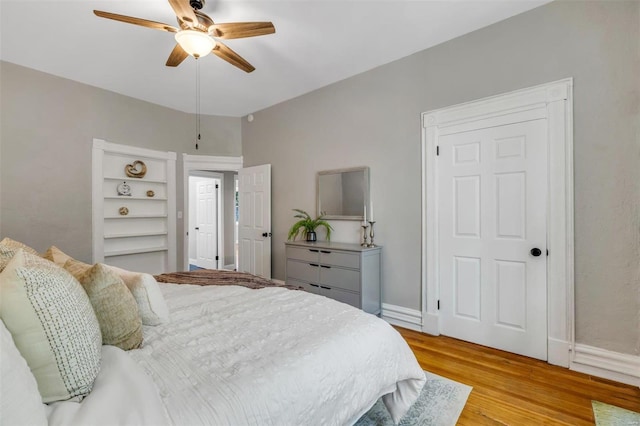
(402, 317)
(209, 163)
(553, 102)
(607, 364)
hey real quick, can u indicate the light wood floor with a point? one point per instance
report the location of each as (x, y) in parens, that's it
(510, 389)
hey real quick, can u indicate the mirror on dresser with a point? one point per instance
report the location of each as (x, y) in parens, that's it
(343, 193)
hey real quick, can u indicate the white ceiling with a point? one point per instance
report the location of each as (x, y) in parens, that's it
(316, 43)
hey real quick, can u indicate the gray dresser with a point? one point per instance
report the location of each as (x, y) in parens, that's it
(348, 273)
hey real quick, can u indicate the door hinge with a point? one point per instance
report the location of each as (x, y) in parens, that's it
(547, 252)
(438, 150)
(217, 257)
(438, 305)
(217, 186)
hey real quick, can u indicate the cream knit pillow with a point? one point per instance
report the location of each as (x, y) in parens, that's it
(18, 245)
(53, 325)
(115, 307)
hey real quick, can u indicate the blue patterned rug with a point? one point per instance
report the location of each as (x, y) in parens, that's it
(439, 404)
(610, 415)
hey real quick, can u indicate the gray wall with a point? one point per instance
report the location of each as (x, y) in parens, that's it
(47, 127)
(373, 119)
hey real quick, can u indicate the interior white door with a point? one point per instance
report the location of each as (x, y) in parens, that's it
(254, 204)
(207, 207)
(492, 215)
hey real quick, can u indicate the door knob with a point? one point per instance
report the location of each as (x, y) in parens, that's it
(536, 252)
(266, 234)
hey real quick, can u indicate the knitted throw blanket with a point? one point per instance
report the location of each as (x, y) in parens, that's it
(220, 277)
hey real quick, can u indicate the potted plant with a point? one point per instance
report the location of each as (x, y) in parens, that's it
(307, 226)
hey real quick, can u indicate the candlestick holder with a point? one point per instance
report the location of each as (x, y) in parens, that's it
(371, 244)
(364, 236)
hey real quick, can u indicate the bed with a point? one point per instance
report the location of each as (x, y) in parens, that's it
(232, 355)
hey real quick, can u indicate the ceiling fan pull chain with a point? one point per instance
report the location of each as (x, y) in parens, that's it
(197, 102)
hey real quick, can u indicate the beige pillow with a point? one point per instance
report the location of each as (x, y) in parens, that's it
(52, 324)
(76, 268)
(56, 255)
(13, 244)
(115, 307)
(151, 304)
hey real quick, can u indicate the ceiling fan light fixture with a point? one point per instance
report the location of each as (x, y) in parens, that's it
(195, 43)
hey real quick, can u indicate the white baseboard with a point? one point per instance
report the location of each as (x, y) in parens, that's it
(558, 352)
(610, 365)
(402, 317)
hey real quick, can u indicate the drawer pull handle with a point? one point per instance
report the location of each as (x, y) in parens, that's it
(313, 251)
(314, 285)
(325, 266)
(324, 251)
(314, 264)
(326, 288)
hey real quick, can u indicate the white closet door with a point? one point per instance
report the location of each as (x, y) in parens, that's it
(207, 210)
(492, 213)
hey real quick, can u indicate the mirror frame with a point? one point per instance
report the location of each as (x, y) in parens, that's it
(365, 170)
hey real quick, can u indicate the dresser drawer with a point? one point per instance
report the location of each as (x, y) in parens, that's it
(315, 289)
(340, 258)
(304, 254)
(346, 279)
(347, 297)
(303, 271)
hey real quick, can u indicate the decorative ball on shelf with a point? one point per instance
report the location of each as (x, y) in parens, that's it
(123, 211)
(150, 193)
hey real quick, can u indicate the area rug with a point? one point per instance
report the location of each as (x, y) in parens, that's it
(610, 415)
(439, 404)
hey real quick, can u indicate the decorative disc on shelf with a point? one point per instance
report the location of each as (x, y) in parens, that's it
(123, 211)
(150, 193)
(124, 189)
(137, 169)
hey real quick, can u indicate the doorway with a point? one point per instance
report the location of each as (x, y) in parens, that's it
(227, 167)
(470, 285)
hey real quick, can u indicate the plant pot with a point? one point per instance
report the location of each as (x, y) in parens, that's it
(311, 236)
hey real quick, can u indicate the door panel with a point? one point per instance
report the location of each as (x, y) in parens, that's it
(492, 212)
(206, 232)
(254, 186)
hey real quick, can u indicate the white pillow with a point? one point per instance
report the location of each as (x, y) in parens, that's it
(20, 401)
(123, 394)
(52, 324)
(151, 304)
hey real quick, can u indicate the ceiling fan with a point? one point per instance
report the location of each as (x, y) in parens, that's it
(198, 34)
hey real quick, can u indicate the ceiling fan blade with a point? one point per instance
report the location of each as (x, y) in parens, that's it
(241, 29)
(224, 52)
(184, 12)
(136, 21)
(177, 56)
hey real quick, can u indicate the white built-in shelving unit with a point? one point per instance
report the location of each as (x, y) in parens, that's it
(143, 240)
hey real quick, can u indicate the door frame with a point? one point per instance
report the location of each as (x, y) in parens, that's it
(191, 163)
(553, 101)
(219, 213)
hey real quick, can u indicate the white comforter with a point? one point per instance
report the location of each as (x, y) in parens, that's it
(235, 356)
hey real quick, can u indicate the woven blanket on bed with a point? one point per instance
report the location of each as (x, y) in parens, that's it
(220, 277)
